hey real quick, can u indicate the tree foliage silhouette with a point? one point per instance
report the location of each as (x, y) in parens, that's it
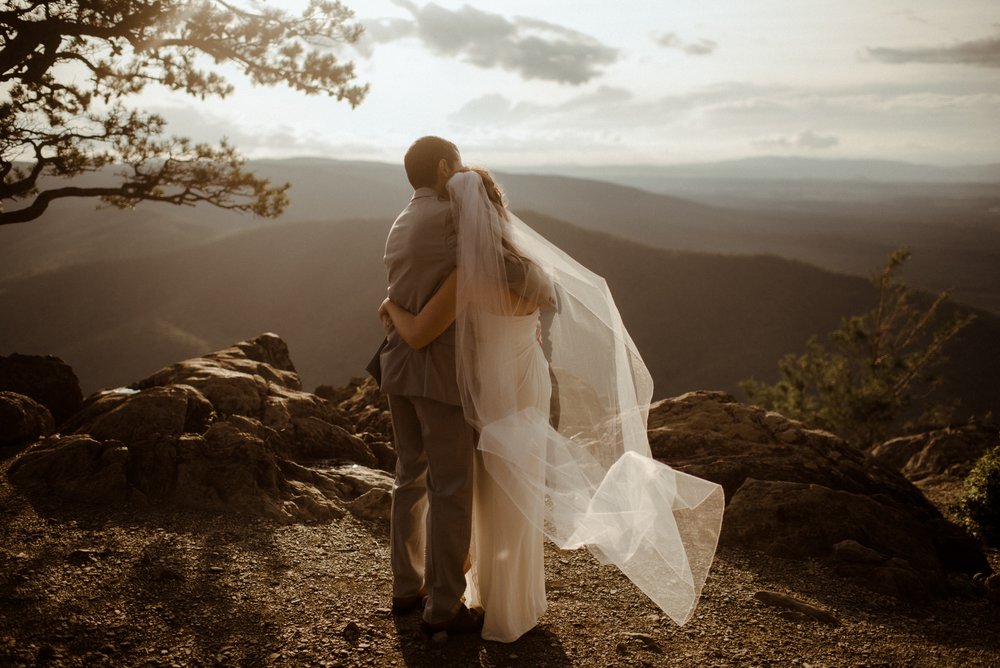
(872, 368)
(67, 68)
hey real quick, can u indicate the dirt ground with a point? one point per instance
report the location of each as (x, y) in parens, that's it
(146, 587)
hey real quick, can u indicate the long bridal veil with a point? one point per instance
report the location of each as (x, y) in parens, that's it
(578, 466)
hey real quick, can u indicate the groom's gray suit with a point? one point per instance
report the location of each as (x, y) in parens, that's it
(434, 444)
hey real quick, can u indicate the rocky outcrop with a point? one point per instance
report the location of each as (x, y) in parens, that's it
(801, 493)
(22, 419)
(368, 412)
(46, 379)
(939, 461)
(230, 431)
(233, 431)
(950, 452)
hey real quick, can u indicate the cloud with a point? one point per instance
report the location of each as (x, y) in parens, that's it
(498, 109)
(383, 30)
(529, 47)
(275, 138)
(978, 52)
(670, 40)
(807, 140)
(909, 15)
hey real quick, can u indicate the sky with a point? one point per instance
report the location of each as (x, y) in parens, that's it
(526, 83)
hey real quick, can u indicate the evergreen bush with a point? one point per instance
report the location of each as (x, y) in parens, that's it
(979, 505)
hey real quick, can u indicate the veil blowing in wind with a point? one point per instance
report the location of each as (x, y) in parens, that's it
(568, 445)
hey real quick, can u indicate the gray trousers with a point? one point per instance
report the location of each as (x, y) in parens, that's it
(431, 502)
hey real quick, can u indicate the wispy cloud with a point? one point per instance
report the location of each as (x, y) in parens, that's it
(496, 108)
(259, 141)
(532, 48)
(700, 47)
(761, 109)
(872, 119)
(909, 15)
(806, 139)
(983, 52)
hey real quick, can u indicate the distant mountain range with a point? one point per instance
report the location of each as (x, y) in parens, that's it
(118, 294)
(953, 229)
(786, 169)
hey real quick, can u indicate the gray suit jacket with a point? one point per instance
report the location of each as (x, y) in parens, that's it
(419, 255)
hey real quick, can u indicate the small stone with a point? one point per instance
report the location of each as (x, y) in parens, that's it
(993, 589)
(646, 639)
(779, 600)
(82, 556)
(962, 584)
(351, 631)
(215, 569)
(854, 552)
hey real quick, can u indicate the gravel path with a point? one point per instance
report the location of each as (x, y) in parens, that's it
(148, 587)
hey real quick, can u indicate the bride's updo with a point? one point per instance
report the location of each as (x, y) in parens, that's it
(493, 190)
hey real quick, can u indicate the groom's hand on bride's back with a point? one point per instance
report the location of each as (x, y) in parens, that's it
(383, 314)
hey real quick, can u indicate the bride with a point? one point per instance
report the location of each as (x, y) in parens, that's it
(559, 396)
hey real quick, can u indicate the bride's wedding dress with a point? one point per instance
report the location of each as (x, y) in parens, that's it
(562, 451)
(507, 578)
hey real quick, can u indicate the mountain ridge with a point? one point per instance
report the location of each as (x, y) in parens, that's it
(953, 231)
(700, 321)
(790, 168)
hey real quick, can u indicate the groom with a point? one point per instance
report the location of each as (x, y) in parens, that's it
(432, 495)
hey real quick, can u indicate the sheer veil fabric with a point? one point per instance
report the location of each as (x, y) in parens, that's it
(563, 424)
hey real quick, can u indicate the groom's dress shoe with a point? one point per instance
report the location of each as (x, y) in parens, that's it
(404, 604)
(464, 621)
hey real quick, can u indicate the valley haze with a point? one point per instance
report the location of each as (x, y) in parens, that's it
(718, 269)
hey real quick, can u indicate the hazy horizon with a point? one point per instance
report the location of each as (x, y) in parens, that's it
(551, 167)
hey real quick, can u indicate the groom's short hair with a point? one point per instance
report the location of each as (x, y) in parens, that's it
(422, 158)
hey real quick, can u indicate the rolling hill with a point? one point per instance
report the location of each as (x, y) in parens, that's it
(840, 226)
(701, 321)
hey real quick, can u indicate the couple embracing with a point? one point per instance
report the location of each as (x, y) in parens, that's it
(519, 407)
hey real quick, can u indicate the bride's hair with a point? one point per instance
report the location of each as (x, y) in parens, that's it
(499, 201)
(493, 190)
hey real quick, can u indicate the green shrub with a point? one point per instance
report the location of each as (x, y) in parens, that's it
(979, 506)
(873, 369)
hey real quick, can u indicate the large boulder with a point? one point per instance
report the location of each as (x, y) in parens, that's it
(231, 431)
(46, 379)
(131, 416)
(799, 493)
(254, 378)
(265, 359)
(22, 419)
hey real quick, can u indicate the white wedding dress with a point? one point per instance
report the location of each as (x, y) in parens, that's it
(507, 578)
(562, 451)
